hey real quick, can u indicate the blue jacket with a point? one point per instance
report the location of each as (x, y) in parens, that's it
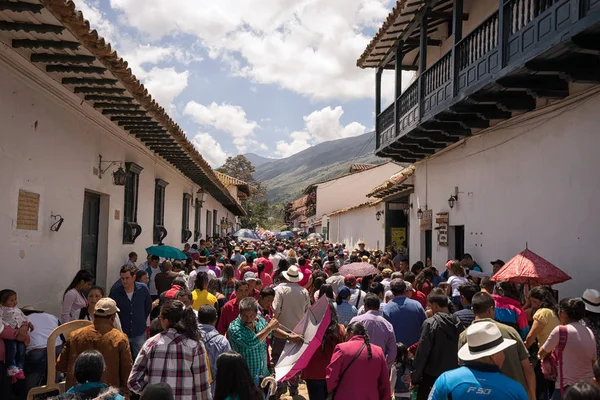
(407, 317)
(476, 381)
(133, 314)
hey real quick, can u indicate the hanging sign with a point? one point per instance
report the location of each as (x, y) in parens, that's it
(426, 221)
(442, 228)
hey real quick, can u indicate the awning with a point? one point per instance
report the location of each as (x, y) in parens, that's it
(395, 184)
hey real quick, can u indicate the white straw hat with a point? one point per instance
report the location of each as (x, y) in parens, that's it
(483, 339)
(293, 274)
(591, 298)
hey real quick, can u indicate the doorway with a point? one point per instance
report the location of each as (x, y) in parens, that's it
(459, 241)
(89, 232)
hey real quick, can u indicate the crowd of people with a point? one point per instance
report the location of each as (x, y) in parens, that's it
(213, 326)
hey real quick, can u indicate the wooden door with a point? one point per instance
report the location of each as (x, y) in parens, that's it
(89, 232)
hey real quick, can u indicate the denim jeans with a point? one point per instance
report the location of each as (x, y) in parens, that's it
(36, 367)
(317, 389)
(136, 344)
(15, 353)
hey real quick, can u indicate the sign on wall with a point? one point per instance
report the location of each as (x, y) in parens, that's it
(426, 221)
(28, 209)
(442, 228)
(398, 236)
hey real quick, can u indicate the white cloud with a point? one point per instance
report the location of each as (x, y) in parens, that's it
(166, 83)
(98, 20)
(210, 149)
(227, 118)
(300, 140)
(320, 126)
(306, 46)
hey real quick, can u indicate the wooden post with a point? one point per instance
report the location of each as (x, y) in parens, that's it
(423, 59)
(398, 91)
(503, 30)
(457, 24)
(378, 105)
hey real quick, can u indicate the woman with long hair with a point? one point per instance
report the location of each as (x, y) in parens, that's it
(315, 372)
(263, 276)
(200, 294)
(579, 352)
(94, 294)
(228, 280)
(591, 299)
(326, 290)
(509, 310)
(89, 368)
(358, 370)
(424, 280)
(74, 298)
(234, 381)
(175, 356)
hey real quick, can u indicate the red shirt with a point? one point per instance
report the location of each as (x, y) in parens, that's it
(420, 297)
(229, 313)
(266, 279)
(316, 368)
(268, 264)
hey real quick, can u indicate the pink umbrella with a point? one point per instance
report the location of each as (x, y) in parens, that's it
(312, 327)
(528, 267)
(358, 269)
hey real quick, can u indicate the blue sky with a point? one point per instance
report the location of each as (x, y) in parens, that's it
(271, 77)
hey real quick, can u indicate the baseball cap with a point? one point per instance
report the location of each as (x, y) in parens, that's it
(105, 306)
(249, 276)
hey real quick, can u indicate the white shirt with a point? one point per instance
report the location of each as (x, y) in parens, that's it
(192, 278)
(456, 282)
(355, 300)
(44, 324)
(152, 282)
(12, 316)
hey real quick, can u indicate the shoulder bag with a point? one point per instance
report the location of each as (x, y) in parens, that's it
(552, 364)
(331, 396)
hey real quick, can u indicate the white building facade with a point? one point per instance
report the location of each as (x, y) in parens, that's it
(50, 146)
(530, 181)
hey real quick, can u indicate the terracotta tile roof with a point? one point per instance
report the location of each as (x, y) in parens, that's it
(229, 180)
(361, 167)
(363, 205)
(300, 202)
(395, 183)
(394, 26)
(102, 78)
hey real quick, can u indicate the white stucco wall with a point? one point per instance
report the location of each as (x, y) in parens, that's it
(354, 225)
(531, 180)
(351, 190)
(49, 144)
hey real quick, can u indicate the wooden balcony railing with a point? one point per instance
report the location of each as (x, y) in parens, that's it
(519, 31)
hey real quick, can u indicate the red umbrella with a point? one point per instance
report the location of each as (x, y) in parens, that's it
(528, 267)
(358, 269)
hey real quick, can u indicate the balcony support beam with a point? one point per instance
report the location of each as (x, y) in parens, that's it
(377, 105)
(457, 25)
(398, 87)
(423, 57)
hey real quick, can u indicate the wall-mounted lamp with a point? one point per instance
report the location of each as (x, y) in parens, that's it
(420, 214)
(378, 215)
(119, 176)
(200, 195)
(407, 208)
(453, 198)
(58, 221)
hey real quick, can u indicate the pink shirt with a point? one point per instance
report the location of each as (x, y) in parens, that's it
(579, 354)
(306, 272)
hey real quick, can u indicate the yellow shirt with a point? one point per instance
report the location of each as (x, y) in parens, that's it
(546, 317)
(202, 297)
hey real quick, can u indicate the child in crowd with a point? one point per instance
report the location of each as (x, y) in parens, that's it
(400, 373)
(13, 317)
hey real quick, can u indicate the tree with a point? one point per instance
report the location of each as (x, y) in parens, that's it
(256, 206)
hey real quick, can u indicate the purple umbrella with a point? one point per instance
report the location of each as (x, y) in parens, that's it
(358, 269)
(312, 327)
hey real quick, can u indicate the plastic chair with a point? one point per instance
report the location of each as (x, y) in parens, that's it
(51, 388)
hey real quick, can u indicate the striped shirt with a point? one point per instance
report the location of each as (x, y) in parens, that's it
(245, 341)
(175, 359)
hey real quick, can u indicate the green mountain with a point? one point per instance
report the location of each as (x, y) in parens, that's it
(286, 178)
(257, 160)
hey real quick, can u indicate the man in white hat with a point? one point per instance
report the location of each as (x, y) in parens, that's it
(591, 299)
(480, 377)
(290, 304)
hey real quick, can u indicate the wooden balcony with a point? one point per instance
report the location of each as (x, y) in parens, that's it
(526, 50)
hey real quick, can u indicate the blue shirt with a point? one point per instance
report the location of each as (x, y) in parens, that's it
(133, 313)
(406, 316)
(345, 312)
(477, 381)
